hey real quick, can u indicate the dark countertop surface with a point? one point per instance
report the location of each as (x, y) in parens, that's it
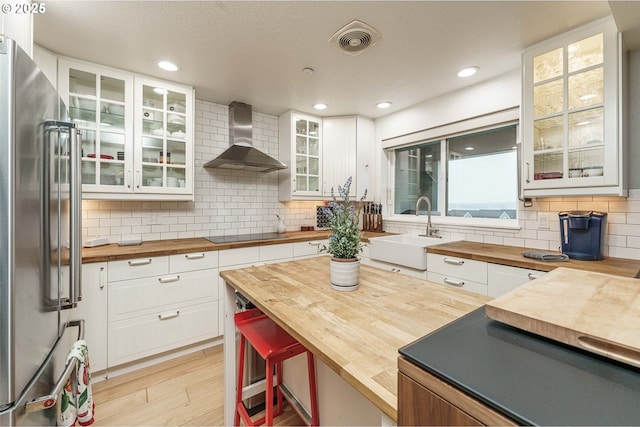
(528, 378)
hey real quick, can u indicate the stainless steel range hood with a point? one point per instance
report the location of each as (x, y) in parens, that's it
(241, 154)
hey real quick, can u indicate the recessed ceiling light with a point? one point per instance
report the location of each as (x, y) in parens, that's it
(320, 106)
(468, 71)
(167, 66)
(308, 70)
(383, 104)
(469, 148)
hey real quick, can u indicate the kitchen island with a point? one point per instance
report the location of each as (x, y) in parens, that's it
(356, 334)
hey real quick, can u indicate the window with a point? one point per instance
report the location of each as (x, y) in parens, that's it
(480, 170)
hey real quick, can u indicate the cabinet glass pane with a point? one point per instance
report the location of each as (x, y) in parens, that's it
(112, 144)
(314, 166)
(314, 147)
(153, 97)
(176, 177)
(82, 83)
(83, 111)
(88, 172)
(112, 115)
(586, 127)
(177, 152)
(314, 129)
(301, 182)
(301, 145)
(112, 89)
(301, 127)
(176, 102)
(547, 166)
(111, 173)
(152, 122)
(301, 164)
(88, 142)
(547, 66)
(151, 148)
(548, 98)
(547, 133)
(152, 176)
(314, 183)
(586, 162)
(586, 89)
(585, 53)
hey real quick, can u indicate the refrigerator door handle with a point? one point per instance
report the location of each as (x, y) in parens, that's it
(75, 215)
(45, 402)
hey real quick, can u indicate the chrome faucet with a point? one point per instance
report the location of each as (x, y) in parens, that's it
(431, 231)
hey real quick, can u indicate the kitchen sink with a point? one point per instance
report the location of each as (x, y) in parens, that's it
(403, 249)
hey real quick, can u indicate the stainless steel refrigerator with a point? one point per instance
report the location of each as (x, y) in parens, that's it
(40, 250)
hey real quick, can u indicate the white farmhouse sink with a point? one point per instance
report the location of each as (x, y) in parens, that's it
(403, 249)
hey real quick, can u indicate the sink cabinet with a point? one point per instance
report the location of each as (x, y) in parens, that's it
(467, 274)
(572, 138)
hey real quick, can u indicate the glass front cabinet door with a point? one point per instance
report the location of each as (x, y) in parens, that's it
(572, 134)
(300, 149)
(100, 102)
(163, 138)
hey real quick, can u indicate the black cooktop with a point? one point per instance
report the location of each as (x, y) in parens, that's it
(244, 237)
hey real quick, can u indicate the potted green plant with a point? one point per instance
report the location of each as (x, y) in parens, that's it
(345, 240)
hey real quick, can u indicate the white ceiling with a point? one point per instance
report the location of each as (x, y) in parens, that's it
(254, 52)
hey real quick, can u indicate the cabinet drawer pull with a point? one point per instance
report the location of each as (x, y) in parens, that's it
(138, 262)
(168, 279)
(532, 276)
(314, 243)
(453, 261)
(169, 316)
(453, 282)
(194, 256)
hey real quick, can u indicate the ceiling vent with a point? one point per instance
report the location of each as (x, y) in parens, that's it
(355, 37)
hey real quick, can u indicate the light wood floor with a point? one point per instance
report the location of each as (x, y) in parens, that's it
(187, 391)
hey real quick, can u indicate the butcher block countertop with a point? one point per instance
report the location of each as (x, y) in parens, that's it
(114, 251)
(512, 256)
(358, 333)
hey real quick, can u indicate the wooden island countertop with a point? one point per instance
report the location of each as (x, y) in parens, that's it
(357, 334)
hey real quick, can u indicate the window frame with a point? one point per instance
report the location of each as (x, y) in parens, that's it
(442, 218)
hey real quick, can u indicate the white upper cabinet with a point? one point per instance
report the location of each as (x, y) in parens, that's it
(125, 154)
(572, 133)
(339, 154)
(301, 149)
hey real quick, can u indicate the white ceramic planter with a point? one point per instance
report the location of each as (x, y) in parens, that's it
(345, 274)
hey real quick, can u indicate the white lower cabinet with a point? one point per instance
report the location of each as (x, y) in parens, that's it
(93, 309)
(503, 279)
(463, 273)
(166, 302)
(308, 249)
(394, 268)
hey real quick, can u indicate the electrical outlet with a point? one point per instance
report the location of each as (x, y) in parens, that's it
(153, 218)
(543, 220)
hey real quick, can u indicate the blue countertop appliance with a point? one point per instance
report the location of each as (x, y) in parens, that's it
(582, 234)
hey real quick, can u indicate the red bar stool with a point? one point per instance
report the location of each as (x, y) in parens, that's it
(275, 346)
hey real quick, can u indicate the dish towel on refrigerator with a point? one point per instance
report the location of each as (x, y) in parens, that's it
(84, 411)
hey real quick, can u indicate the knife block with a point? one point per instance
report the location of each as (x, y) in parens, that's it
(372, 222)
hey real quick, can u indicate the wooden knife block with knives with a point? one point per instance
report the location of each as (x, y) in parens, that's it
(372, 217)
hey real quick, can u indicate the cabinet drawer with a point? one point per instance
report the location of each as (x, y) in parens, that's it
(503, 279)
(467, 285)
(394, 268)
(147, 295)
(457, 267)
(137, 268)
(193, 261)
(276, 252)
(238, 256)
(160, 331)
(305, 249)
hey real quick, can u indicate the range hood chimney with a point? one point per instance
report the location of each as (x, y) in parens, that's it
(241, 154)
